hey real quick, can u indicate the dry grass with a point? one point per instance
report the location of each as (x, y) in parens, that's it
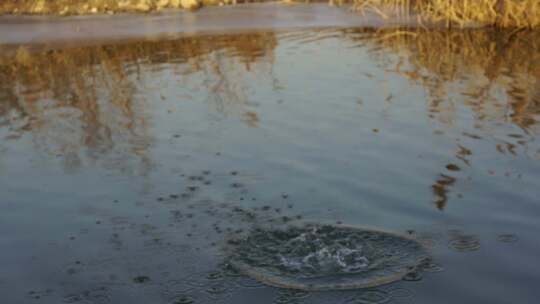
(502, 13)
(80, 7)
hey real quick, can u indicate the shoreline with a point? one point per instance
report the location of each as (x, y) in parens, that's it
(53, 31)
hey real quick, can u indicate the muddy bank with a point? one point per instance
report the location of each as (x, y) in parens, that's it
(36, 30)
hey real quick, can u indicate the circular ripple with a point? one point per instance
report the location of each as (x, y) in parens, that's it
(218, 290)
(282, 299)
(247, 282)
(325, 257)
(203, 279)
(182, 299)
(174, 287)
(73, 298)
(214, 275)
(230, 271)
(507, 238)
(400, 293)
(412, 277)
(370, 297)
(429, 266)
(294, 293)
(464, 243)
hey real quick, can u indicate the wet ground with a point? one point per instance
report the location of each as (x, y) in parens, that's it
(125, 166)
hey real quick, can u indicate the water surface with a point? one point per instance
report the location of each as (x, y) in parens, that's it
(125, 166)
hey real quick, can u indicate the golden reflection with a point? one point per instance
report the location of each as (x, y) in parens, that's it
(476, 64)
(86, 104)
(493, 74)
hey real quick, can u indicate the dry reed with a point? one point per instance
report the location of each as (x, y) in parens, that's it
(501, 13)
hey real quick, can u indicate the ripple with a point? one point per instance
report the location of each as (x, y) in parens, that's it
(230, 271)
(73, 298)
(248, 282)
(507, 238)
(282, 299)
(294, 293)
(464, 243)
(219, 290)
(370, 297)
(214, 275)
(413, 277)
(204, 279)
(400, 293)
(94, 296)
(182, 299)
(429, 266)
(174, 287)
(314, 257)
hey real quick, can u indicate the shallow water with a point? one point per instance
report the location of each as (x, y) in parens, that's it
(125, 167)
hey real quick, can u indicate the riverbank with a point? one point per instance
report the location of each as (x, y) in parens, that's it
(40, 31)
(499, 13)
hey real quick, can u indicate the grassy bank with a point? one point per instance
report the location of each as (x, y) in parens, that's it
(80, 7)
(501, 13)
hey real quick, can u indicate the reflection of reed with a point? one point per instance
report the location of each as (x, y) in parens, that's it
(86, 103)
(477, 64)
(493, 73)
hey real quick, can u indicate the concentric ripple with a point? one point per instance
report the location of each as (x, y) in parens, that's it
(325, 257)
(464, 243)
(373, 296)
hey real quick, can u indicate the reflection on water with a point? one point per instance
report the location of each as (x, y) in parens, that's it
(468, 69)
(476, 64)
(88, 104)
(89, 100)
(376, 127)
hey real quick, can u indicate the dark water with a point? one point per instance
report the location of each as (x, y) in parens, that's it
(125, 167)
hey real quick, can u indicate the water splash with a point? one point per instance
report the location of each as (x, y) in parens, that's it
(323, 257)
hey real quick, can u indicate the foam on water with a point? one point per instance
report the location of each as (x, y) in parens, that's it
(322, 257)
